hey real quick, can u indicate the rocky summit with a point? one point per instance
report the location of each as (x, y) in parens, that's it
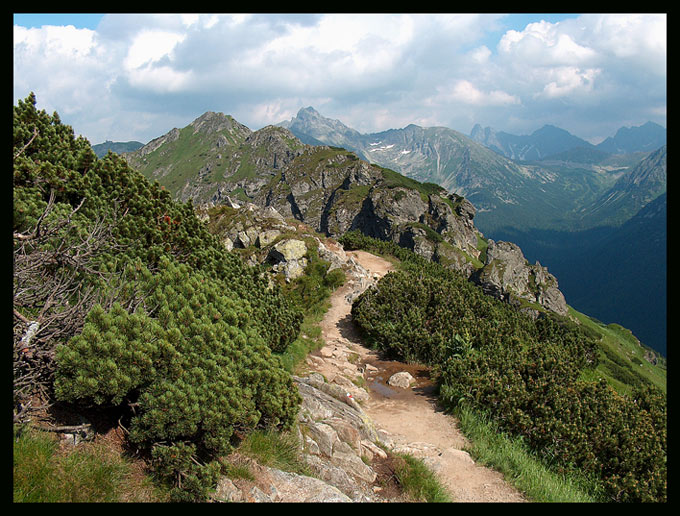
(217, 161)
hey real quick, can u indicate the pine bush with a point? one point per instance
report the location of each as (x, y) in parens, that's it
(175, 329)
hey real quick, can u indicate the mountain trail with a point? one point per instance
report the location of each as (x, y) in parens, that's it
(409, 417)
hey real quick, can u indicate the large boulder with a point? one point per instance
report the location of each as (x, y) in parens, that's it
(289, 257)
(507, 275)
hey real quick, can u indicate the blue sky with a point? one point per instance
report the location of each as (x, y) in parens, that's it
(90, 20)
(79, 20)
(134, 77)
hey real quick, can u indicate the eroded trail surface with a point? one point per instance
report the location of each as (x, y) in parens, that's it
(408, 417)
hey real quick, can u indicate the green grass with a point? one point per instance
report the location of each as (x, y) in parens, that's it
(275, 450)
(418, 481)
(308, 340)
(493, 448)
(86, 473)
(394, 179)
(622, 361)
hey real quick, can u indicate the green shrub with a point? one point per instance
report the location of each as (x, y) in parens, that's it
(527, 374)
(181, 332)
(193, 366)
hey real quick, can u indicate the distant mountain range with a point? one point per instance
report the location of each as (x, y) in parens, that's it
(101, 149)
(561, 189)
(555, 195)
(559, 208)
(549, 141)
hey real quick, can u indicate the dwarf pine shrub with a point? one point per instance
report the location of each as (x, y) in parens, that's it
(166, 323)
(527, 374)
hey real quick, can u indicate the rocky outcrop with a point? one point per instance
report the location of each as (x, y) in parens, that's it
(289, 257)
(333, 192)
(507, 275)
(338, 442)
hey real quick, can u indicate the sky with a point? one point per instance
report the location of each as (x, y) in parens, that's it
(124, 77)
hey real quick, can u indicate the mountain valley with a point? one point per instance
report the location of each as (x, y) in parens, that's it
(566, 190)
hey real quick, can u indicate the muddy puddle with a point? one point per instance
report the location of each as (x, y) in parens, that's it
(377, 380)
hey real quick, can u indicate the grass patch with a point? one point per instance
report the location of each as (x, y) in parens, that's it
(622, 357)
(86, 473)
(279, 450)
(492, 447)
(419, 482)
(308, 340)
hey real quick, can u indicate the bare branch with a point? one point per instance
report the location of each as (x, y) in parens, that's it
(55, 268)
(21, 151)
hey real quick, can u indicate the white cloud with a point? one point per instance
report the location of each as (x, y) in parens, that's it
(340, 49)
(54, 42)
(465, 92)
(480, 55)
(373, 72)
(64, 64)
(569, 80)
(544, 44)
(151, 46)
(148, 63)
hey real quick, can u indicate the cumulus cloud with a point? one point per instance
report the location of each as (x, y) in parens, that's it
(137, 76)
(466, 92)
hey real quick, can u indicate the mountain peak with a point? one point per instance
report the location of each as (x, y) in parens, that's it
(647, 137)
(309, 110)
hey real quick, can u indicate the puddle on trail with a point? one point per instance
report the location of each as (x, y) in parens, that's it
(377, 381)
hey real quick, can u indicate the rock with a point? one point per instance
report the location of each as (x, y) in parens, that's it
(289, 258)
(243, 239)
(227, 492)
(337, 434)
(267, 237)
(289, 250)
(403, 380)
(228, 243)
(291, 487)
(273, 485)
(507, 275)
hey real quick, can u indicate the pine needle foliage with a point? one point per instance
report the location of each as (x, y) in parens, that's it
(161, 319)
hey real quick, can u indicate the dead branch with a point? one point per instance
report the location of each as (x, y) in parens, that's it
(21, 151)
(54, 289)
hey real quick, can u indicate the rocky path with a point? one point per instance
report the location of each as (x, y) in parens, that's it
(408, 418)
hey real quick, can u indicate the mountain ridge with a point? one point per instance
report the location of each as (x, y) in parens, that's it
(245, 173)
(569, 196)
(548, 194)
(334, 191)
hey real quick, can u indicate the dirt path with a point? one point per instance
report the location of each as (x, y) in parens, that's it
(410, 417)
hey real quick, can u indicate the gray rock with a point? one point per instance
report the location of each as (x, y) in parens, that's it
(507, 275)
(267, 237)
(289, 250)
(288, 257)
(402, 379)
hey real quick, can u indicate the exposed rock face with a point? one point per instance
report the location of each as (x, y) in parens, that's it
(507, 274)
(289, 256)
(335, 192)
(338, 442)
